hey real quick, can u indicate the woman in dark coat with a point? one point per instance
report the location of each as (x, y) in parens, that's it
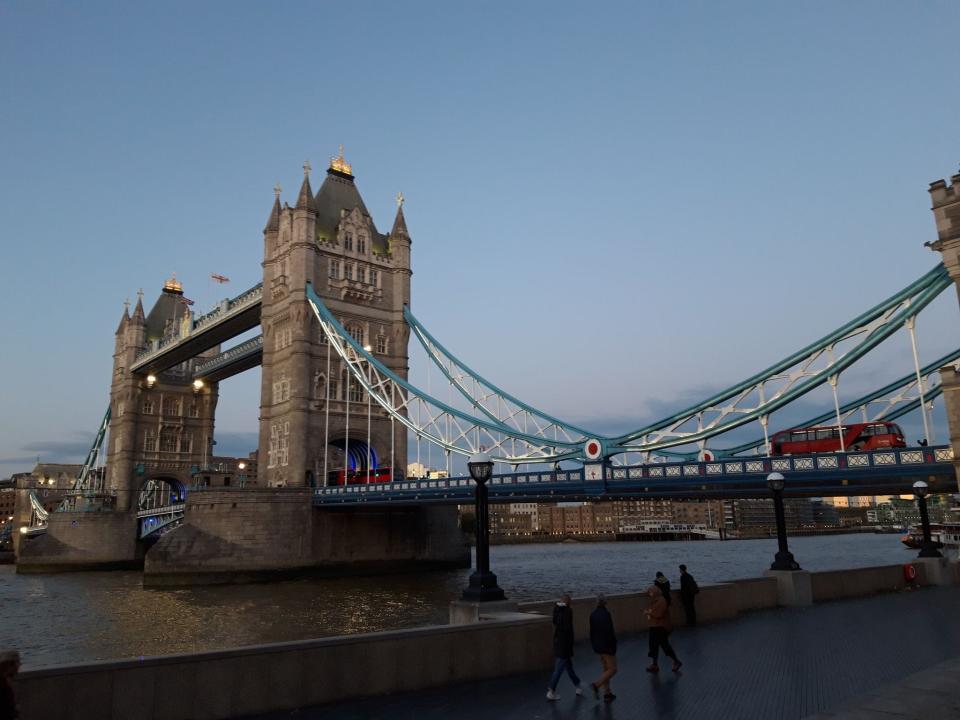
(562, 647)
(604, 642)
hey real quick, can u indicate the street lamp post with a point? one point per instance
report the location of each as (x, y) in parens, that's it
(927, 548)
(483, 583)
(783, 560)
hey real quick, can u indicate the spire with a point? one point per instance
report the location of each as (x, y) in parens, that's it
(138, 314)
(340, 166)
(273, 223)
(400, 223)
(125, 318)
(305, 199)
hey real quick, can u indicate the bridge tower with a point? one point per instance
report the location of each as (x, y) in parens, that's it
(330, 240)
(946, 213)
(161, 426)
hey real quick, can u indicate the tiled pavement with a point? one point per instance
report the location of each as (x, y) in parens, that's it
(787, 663)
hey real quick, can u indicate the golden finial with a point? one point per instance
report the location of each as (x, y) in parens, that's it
(399, 200)
(172, 285)
(340, 164)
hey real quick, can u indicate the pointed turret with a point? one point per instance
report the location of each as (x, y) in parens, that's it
(139, 317)
(400, 222)
(305, 200)
(273, 222)
(125, 318)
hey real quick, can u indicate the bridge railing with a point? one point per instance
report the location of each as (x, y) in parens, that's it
(818, 463)
(229, 356)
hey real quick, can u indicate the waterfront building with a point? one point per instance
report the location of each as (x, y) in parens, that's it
(755, 517)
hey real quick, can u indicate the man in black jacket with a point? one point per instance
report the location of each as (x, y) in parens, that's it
(604, 641)
(562, 647)
(688, 593)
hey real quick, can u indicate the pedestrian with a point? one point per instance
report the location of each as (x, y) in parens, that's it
(9, 667)
(562, 647)
(659, 616)
(661, 582)
(604, 642)
(688, 594)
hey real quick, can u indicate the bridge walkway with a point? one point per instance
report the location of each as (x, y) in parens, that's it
(782, 664)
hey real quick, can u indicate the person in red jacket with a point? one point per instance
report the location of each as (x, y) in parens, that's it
(658, 614)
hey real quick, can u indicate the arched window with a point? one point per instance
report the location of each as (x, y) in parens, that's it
(356, 332)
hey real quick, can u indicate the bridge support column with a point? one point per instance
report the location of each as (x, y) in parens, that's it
(241, 534)
(83, 541)
(950, 382)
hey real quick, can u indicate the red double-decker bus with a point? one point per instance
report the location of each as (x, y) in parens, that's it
(360, 477)
(857, 437)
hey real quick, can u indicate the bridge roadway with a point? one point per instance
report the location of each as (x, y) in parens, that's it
(779, 664)
(880, 472)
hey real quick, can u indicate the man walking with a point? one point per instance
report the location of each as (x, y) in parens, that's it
(562, 647)
(688, 593)
(604, 642)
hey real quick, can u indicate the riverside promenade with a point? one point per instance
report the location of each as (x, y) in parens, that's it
(886, 656)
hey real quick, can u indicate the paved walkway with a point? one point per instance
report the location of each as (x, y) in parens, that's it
(787, 664)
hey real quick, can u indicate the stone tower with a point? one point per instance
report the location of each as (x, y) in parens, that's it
(161, 426)
(330, 240)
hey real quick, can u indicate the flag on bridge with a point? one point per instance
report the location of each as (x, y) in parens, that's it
(219, 278)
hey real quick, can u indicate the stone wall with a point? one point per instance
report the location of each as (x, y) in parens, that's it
(81, 541)
(285, 676)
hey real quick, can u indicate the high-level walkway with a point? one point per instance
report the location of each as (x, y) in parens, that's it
(847, 656)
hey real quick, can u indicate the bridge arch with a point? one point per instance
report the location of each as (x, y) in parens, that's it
(360, 457)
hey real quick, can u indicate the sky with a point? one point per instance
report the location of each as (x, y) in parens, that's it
(615, 208)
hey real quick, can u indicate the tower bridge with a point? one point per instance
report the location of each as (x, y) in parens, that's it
(336, 405)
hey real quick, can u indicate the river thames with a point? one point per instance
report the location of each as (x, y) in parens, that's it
(80, 617)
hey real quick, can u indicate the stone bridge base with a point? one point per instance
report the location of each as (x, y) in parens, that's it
(83, 541)
(240, 534)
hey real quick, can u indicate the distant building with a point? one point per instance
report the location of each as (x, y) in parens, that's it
(419, 470)
(755, 517)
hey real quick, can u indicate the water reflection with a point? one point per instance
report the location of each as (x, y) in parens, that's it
(86, 616)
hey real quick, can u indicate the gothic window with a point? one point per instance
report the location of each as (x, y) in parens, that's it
(284, 451)
(171, 406)
(186, 443)
(281, 389)
(282, 334)
(148, 407)
(334, 271)
(349, 271)
(194, 410)
(374, 277)
(348, 240)
(274, 446)
(168, 439)
(381, 345)
(356, 392)
(150, 440)
(357, 332)
(334, 390)
(362, 243)
(362, 274)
